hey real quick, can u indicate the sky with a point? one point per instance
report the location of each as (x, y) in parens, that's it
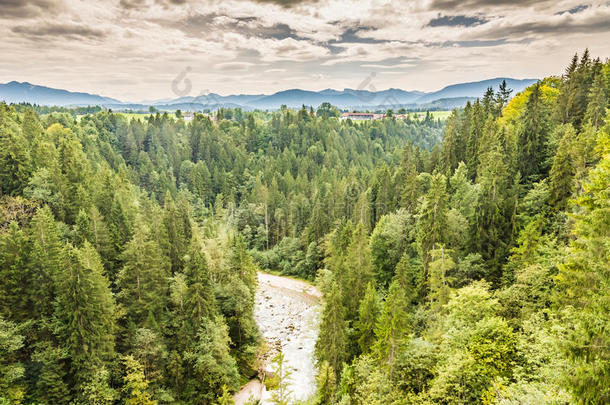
(136, 50)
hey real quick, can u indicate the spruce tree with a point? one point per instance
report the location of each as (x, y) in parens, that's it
(143, 278)
(332, 342)
(432, 217)
(84, 315)
(533, 136)
(392, 328)
(597, 102)
(561, 177)
(368, 313)
(584, 278)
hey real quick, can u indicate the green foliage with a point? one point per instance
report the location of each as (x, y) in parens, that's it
(584, 278)
(368, 314)
(392, 327)
(210, 363)
(129, 249)
(332, 342)
(85, 312)
(11, 370)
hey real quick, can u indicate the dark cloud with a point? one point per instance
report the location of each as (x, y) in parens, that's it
(59, 30)
(350, 35)
(456, 20)
(198, 24)
(132, 4)
(285, 3)
(137, 4)
(574, 10)
(27, 8)
(475, 43)
(600, 23)
(478, 4)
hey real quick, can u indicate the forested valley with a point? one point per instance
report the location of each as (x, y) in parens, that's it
(463, 261)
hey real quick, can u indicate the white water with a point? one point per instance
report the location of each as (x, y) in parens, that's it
(287, 313)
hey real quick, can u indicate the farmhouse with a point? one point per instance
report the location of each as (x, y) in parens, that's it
(361, 116)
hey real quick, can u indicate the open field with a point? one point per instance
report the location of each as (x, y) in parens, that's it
(130, 116)
(443, 115)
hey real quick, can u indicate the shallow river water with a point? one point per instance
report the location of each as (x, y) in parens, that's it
(287, 313)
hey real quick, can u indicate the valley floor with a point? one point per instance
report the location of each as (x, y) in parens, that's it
(287, 313)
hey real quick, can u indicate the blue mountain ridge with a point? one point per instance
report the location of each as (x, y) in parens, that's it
(455, 95)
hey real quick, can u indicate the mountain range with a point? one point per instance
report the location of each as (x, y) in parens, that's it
(452, 96)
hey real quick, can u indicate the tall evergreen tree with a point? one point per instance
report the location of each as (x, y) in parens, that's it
(368, 313)
(84, 315)
(143, 278)
(584, 279)
(533, 136)
(332, 341)
(432, 217)
(392, 328)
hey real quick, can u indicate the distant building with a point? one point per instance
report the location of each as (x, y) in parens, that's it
(361, 116)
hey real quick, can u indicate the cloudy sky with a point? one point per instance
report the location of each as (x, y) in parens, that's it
(149, 49)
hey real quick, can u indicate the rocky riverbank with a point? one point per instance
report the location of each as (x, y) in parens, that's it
(287, 313)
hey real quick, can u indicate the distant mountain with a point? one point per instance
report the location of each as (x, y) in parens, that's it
(475, 89)
(212, 98)
(450, 97)
(344, 99)
(16, 92)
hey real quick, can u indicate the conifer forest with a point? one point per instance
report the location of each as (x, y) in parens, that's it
(461, 260)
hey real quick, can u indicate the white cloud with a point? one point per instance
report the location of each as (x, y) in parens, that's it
(133, 49)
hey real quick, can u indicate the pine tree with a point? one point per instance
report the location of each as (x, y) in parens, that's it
(488, 102)
(358, 271)
(450, 157)
(432, 217)
(392, 327)
(12, 371)
(561, 177)
(199, 301)
(211, 366)
(409, 277)
(502, 98)
(51, 387)
(584, 293)
(84, 315)
(368, 313)
(409, 190)
(16, 288)
(15, 160)
(597, 102)
(476, 127)
(326, 383)
(179, 230)
(493, 225)
(533, 136)
(331, 345)
(143, 278)
(438, 277)
(47, 260)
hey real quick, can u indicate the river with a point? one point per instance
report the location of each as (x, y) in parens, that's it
(287, 312)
